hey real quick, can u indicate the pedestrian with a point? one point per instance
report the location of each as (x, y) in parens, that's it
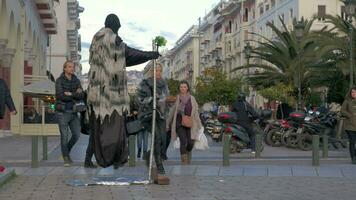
(142, 138)
(88, 163)
(348, 110)
(108, 97)
(68, 92)
(185, 121)
(6, 100)
(145, 97)
(245, 114)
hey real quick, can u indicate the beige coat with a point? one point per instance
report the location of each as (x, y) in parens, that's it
(172, 119)
(348, 110)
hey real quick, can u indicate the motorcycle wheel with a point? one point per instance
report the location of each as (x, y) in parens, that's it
(292, 140)
(274, 138)
(284, 138)
(305, 142)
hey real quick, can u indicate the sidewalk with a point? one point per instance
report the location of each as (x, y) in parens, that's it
(189, 183)
(281, 174)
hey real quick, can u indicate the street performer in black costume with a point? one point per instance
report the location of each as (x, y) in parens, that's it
(108, 98)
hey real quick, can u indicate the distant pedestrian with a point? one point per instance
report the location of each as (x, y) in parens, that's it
(68, 92)
(185, 121)
(348, 110)
(6, 100)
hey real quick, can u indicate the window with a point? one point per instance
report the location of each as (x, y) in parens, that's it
(245, 18)
(321, 12)
(343, 12)
(261, 10)
(291, 13)
(273, 3)
(267, 7)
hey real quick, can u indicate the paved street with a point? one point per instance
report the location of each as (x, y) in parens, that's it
(185, 187)
(281, 173)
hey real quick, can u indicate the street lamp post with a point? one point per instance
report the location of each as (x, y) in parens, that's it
(299, 31)
(350, 12)
(247, 51)
(191, 76)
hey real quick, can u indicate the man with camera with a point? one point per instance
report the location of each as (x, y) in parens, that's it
(69, 101)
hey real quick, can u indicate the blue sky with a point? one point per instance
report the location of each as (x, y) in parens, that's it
(141, 21)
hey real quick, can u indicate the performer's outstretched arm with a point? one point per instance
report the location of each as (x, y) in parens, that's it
(136, 57)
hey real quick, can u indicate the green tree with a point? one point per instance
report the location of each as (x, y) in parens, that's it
(218, 89)
(173, 86)
(279, 92)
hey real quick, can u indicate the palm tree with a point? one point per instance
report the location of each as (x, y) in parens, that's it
(339, 37)
(283, 55)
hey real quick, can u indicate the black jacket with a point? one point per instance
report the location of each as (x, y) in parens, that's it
(135, 56)
(5, 99)
(63, 84)
(243, 110)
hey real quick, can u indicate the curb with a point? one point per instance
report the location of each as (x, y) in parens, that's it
(6, 176)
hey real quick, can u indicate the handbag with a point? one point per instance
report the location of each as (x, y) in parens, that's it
(79, 106)
(187, 121)
(133, 127)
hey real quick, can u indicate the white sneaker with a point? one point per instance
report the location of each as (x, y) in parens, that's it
(253, 152)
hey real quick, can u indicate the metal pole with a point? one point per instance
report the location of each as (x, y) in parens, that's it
(132, 149)
(351, 55)
(299, 81)
(226, 150)
(34, 151)
(44, 148)
(316, 156)
(258, 139)
(325, 146)
(153, 116)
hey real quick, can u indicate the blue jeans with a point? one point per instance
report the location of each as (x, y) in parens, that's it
(68, 121)
(142, 137)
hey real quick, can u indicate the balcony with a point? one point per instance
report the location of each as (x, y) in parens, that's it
(47, 15)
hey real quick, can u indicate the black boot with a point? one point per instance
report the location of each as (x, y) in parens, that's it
(139, 153)
(89, 164)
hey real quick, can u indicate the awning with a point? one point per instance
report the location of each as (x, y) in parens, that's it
(40, 88)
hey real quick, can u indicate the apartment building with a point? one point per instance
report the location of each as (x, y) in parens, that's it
(24, 29)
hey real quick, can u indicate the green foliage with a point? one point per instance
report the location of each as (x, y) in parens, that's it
(160, 41)
(279, 92)
(218, 89)
(173, 86)
(313, 98)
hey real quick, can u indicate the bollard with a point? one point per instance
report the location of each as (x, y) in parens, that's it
(226, 149)
(325, 146)
(34, 152)
(316, 157)
(132, 150)
(44, 148)
(258, 140)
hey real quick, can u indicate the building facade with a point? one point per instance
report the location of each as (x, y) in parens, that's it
(66, 44)
(24, 28)
(224, 32)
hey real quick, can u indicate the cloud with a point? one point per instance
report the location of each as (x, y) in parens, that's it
(85, 45)
(168, 35)
(135, 27)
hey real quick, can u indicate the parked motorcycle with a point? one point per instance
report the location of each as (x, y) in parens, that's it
(239, 137)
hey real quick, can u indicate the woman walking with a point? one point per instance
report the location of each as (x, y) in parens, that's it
(348, 110)
(185, 121)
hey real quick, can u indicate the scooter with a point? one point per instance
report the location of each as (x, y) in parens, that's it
(240, 139)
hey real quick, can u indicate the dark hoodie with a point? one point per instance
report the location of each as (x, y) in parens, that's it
(348, 110)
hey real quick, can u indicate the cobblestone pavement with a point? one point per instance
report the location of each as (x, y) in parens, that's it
(185, 188)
